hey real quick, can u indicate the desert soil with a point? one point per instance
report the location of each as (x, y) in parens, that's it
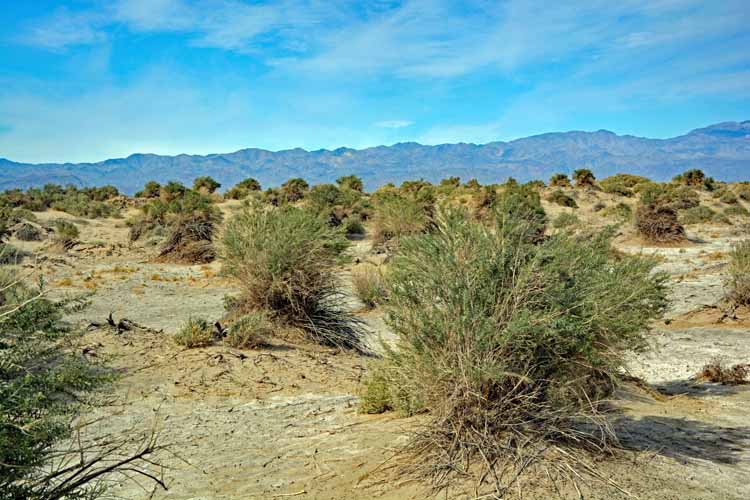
(282, 421)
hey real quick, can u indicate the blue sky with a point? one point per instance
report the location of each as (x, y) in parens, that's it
(90, 80)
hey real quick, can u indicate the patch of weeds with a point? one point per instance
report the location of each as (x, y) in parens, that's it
(249, 331)
(195, 332)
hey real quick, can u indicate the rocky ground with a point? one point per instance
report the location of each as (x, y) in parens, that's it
(281, 422)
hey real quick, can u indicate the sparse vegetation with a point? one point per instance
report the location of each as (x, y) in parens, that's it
(559, 180)
(738, 286)
(564, 220)
(488, 348)
(66, 234)
(285, 260)
(243, 189)
(395, 217)
(369, 286)
(195, 332)
(624, 184)
(584, 177)
(205, 185)
(718, 373)
(562, 199)
(697, 215)
(249, 331)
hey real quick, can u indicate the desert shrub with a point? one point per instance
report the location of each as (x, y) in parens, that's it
(353, 226)
(717, 372)
(285, 261)
(369, 286)
(151, 189)
(28, 232)
(243, 189)
(502, 339)
(736, 211)
(44, 385)
(395, 217)
(697, 215)
(726, 196)
(562, 199)
(583, 177)
(249, 331)
(559, 180)
(659, 224)
(195, 332)
(623, 184)
(191, 231)
(522, 203)
(743, 191)
(599, 206)
(66, 234)
(674, 196)
(738, 285)
(10, 255)
(565, 220)
(206, 184)
(473, 184)
(351, 182)
(694, 177)
(293, 190)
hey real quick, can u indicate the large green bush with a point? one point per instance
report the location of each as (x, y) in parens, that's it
(285, 260)
(502, 338)
(498, 336)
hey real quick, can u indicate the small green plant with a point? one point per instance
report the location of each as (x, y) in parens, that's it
(562, 199)
(736, 211)
(697, 215)
(738, 286)
(564, 220)
(66, 234)
(249, 331)
(195, 332)
(353, 225)
(369, 286)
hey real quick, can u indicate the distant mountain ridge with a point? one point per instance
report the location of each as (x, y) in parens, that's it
(721, 150)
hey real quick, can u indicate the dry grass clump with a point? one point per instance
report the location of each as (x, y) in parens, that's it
(738, 292)
(195, 332)
(190, 238)
(369, 286)
(285, 260)
(508, 343)
(717, 372)
(249, 331)
(659, 224)
(28, 232)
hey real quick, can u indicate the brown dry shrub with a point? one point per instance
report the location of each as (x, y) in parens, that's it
(717, 372)
(659, 224)
(190, 239)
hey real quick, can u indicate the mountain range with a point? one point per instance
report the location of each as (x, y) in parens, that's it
(721, 150)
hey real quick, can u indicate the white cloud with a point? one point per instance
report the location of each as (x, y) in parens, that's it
(394, 123)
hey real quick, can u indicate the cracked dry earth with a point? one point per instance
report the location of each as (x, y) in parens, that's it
(281, 422)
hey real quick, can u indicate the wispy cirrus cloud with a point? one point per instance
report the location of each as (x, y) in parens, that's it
(394, 123)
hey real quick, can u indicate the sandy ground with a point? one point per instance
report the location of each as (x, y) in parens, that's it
(281, 422)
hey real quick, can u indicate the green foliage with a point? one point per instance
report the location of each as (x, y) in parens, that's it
(293, 190)
(676, 197)
(243, 189)
(498, 336)
(38, 377)
(583, 177)
(152, 189)
(697, 215)
(249, 331)
(172, 190)
(624, 184)
(353, 226)
(694, 177)
(736, 211)
(195, 332)
(559, 180)
(397, 216)
(66, 233)
(473, 184)
(285, 261)
(351, 182)
(738, 285)
(205, 184)
(564, 220)
(90, 202)
(562, 199)
(726, 196)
